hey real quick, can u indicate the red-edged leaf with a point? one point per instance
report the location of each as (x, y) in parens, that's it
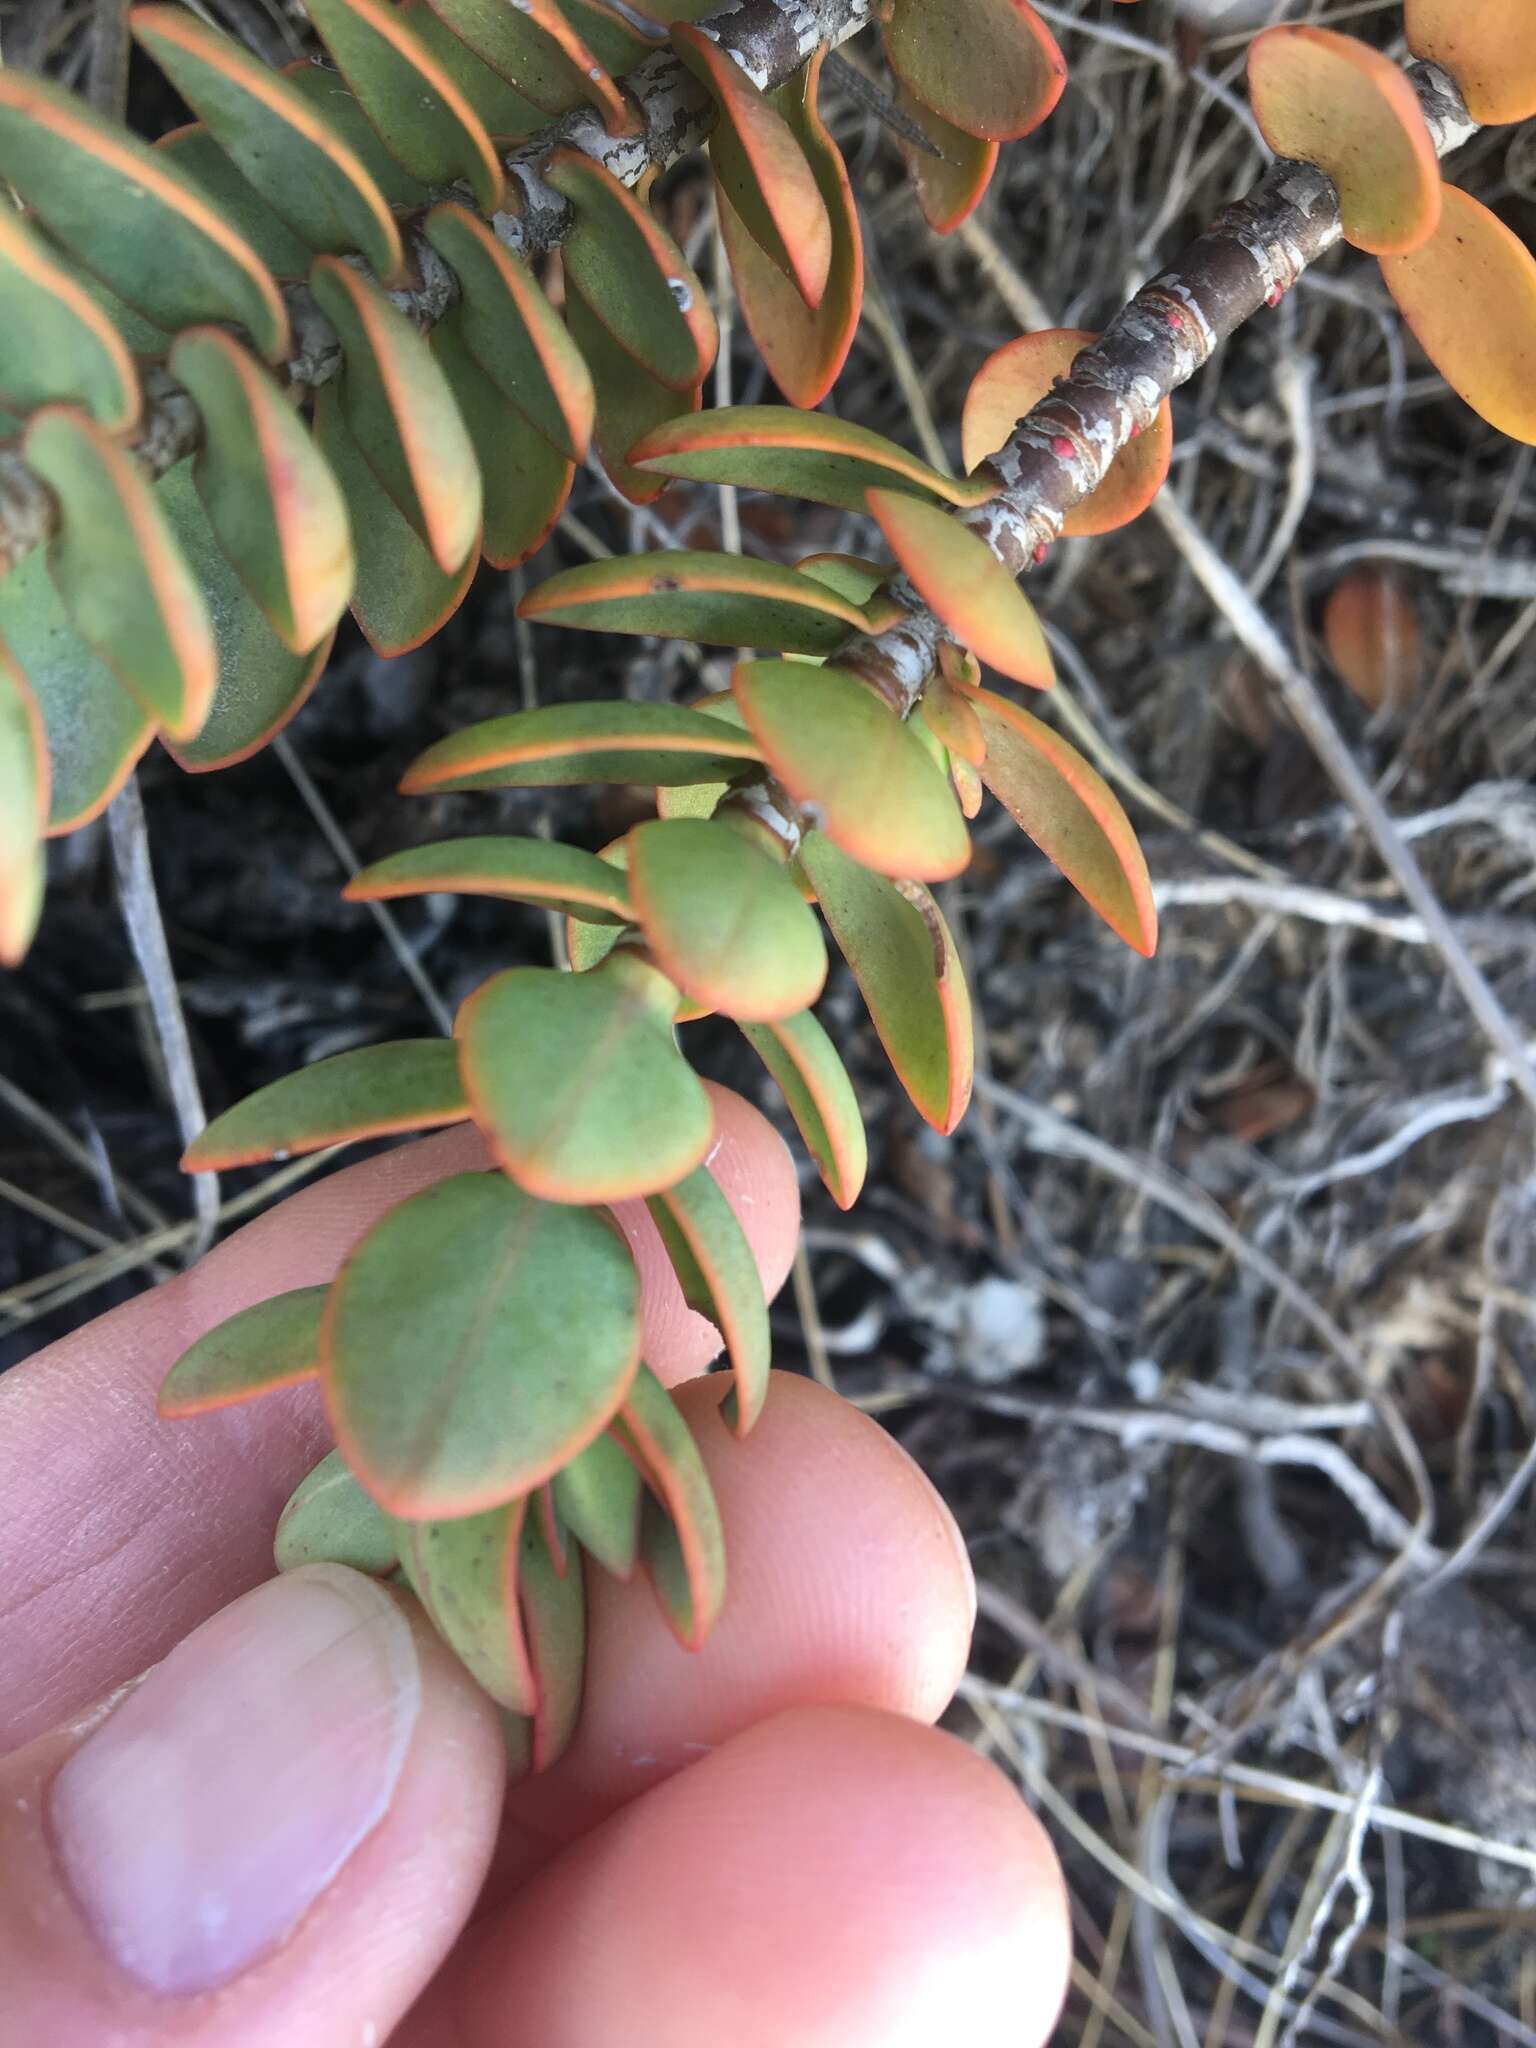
(538, 871)
(682, 1544)
(630, 402)
(709, 1247)
(948, 715)
(1488, 47)
(539, 49)
(475, 1341)
(274, 1344)
(951, 185)
(525, 482)
(720, 599)
(577, 1083)
(56, 342)
(1071, 814)
(598, 1498)
(465, 1572)
(597, 742)
(958, 575)
(991, 67)
(553, 1603)
(329, 1519)
(904, 960)
(377, 1091)
(815, 1085)
(842, 752)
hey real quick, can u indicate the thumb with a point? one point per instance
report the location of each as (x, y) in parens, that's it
(275, 1836)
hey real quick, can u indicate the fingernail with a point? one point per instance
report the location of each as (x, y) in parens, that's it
(202, 1819)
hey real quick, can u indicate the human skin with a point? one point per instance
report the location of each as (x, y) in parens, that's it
(766, 1843)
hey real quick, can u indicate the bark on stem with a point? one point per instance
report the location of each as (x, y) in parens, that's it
(769, 39)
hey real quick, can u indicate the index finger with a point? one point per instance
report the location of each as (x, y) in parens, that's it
(122, 1531)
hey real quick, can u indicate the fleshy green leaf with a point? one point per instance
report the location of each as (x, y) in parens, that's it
(632, 275)
(410, 98)
(524, 481)
(538, 871)
(1013, 379)
(721, 599)
(94, 731)
(23, 811)
(401, 596)
(1071, 814)
(838, 749)
(195, 154)
(762, 169)
(799, 454)
(402, 413)
(465, 1572)
(561, 744)
(682, 1544)
(119, 571)
(804, 346)
(708, 1245)
(539, 50)
(274, 1344)
(56, 343)
(329, 1519)
(814, 1082)
(377, 1091)
(1331, 100)
(261, 682)
(120, 208)
(723, 919)
(598, 1498)
(270, 495)
(991, 67)
(947, 713)
(554, 1613)
(854, 579)
(951, 185)
(577, 1084)
(958, 575)
(514, 333)
(338, 107)
(1469, 294)
(305, 172)
(505, 114)
(474, 1342)
(904, 960)
(630, 402)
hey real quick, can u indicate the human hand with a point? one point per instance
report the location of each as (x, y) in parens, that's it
(295, 1831)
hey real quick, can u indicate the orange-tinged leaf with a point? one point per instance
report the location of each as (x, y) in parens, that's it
(854, 578)
(844, 754)
(1071, 814)
(538, 871)
(1372, 634)
(540, 50)
(968, 785)
(723, 919)
(553, 1603)
(116, 565)
(474, 1341)
(261, 682)
(1488, 47)
(169, 254)
(804, 347)
(632, 275)
(597, 1496)
(630, 402)
(304, 171)
(507, 115)
(951, 185)
(682, 1544)
(717, 1269)
(56, 343)
(525, 483)
(376, 1091)
(402, 413)
(270, 495)
(23, 811)
(1333, 101)
(401, 597)
(815, 1085)
(410, 98)
(1014, 379)
(577, 1083)
(1470, 297)
(991, 67)
(761, 167)
(340, 111)
(465, 1572)
(903, 958)
(94, 731)
(719, 599)
(275, 1343)
(193, 151)
(329, 1519)
(949, 717)
(958, 575)
(561, 744)
(800, 454)
(514, 333)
